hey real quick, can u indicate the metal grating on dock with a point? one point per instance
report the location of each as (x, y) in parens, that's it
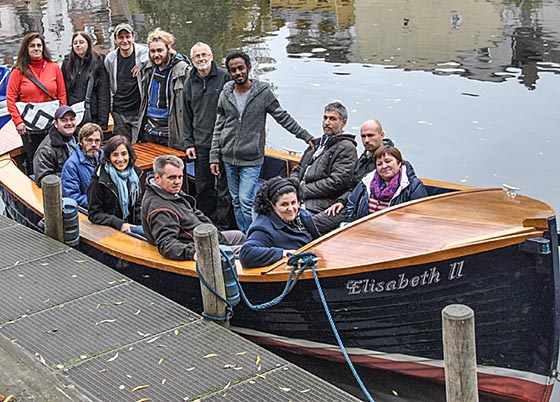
(107, 338)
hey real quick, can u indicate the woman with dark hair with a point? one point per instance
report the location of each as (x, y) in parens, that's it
(34, 62)
(114, 193)
(87, 80)
(281, 227)
(389, 184)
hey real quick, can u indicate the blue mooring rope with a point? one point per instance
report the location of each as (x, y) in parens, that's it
(299, 262)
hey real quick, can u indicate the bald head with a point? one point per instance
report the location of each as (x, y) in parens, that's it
(372, 135)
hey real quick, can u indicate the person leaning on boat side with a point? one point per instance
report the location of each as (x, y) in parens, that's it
(281, 226)
(57, 146)
(326, 168)
(77, 171)
(388, 185)
(115, 191)
(240, 133)
(202, 90)
(123, 65)
(34, 60)
(161, 110)
(169, 216)
(373, 137)
(80, 67)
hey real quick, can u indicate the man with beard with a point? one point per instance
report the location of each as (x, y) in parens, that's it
(240, 133)
(201, 93)
(123, 65)
(326, 168)
(76, 173)
(57, 146)
(161, 111)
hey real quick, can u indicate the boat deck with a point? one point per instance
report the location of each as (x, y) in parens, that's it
(78, 330)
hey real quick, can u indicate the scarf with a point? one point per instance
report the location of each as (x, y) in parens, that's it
(382, 191)
(127, 185)
(37, 66)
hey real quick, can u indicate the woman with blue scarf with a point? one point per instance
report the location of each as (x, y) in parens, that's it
(115, 193)
(389, 184)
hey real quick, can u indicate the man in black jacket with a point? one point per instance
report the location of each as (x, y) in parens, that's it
(326, 168)
(201, 93)
(169, 216)
(57, 146)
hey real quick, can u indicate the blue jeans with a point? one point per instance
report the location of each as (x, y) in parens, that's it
(241, 183)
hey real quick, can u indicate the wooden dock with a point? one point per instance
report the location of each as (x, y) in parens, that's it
(72, 329)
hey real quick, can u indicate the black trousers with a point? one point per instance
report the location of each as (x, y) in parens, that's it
(212, 194)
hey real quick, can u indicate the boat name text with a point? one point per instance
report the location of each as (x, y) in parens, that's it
(428, 277)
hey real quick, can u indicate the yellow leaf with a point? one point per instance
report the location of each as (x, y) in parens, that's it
(141, 333)
(106, 321)
(241, 353)
(81, 261)
(83, 357)
(103, 370)
(60, 366)
(119, 303)
(190, 368)
(138, 388)
(285, 389)
(261, 376)
(143, 400)
(189, 22)
(160, 361)
(153, 339)
(395, 392)
(98, 305)
(122, 386)
(113, 358)
(164, 381)
(176, 332)
(138, 311)
(227, 385)
(8, 398)
(258, 359)
(303, 391)
(210, 355)
(44, 263)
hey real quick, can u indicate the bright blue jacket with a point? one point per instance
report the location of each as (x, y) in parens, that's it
(76, 175)
(269, 236)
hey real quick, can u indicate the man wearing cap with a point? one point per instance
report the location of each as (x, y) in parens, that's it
(57, 146)
(123, 65)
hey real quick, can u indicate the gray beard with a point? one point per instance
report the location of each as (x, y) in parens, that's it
(92, 155)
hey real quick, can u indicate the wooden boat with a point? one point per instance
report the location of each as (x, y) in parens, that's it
(386, 278)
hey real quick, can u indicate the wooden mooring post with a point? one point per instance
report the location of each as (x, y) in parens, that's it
(459, 352)
(210, 265)
(52, 207)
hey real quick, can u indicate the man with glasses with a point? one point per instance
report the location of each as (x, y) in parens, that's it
(76, 173)
(201, 93)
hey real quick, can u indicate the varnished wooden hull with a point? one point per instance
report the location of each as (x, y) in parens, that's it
(386, 283)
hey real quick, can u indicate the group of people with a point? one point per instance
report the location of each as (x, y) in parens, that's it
(218, 117)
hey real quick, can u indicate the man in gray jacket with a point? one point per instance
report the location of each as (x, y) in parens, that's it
(240, 133)
(123, 65)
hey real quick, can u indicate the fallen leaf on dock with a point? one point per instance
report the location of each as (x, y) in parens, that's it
(119, 303)
(210, 355)
(143, 400)
(8, 398)
(190, 368)
(395, 393)
(138, 388)
(153, 339)
(105, 322)
(241, 353)
(60, 366)
(138, 312)
(261, 376)
(44, 263)
(227, 385)
(258, 359)
(164, 381)
(285, 389)
(160, 361)
(176, 332)
(80, 261)
(141, 333)
(303, 391)
(41, 358)
(83, 357)
(122, 386)
(113, 358)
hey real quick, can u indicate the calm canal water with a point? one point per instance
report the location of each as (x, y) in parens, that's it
(467, 89)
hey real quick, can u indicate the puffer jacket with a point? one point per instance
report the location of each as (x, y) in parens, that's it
(240, 140)
(410, 188)
(327, 177)
(76, 175)
(104, 206)
(169, 221)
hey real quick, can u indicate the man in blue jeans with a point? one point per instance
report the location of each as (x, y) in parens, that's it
(240, 133)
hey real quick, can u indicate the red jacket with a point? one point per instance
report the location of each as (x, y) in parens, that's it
(19, 86)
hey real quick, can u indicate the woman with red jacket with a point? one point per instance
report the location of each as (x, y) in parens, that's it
(34, 60)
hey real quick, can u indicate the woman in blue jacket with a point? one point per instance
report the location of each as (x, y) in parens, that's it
(281, 227)
(389, 184)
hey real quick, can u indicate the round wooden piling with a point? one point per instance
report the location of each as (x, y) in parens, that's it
(52, 207)
(459, 351)
(210, 266)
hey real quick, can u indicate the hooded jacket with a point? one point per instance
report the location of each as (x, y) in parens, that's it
(410, 188)
(76, 175)
(51, 155)
(240, 140)
(325, 178)
(179, 70)
(169, 221)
